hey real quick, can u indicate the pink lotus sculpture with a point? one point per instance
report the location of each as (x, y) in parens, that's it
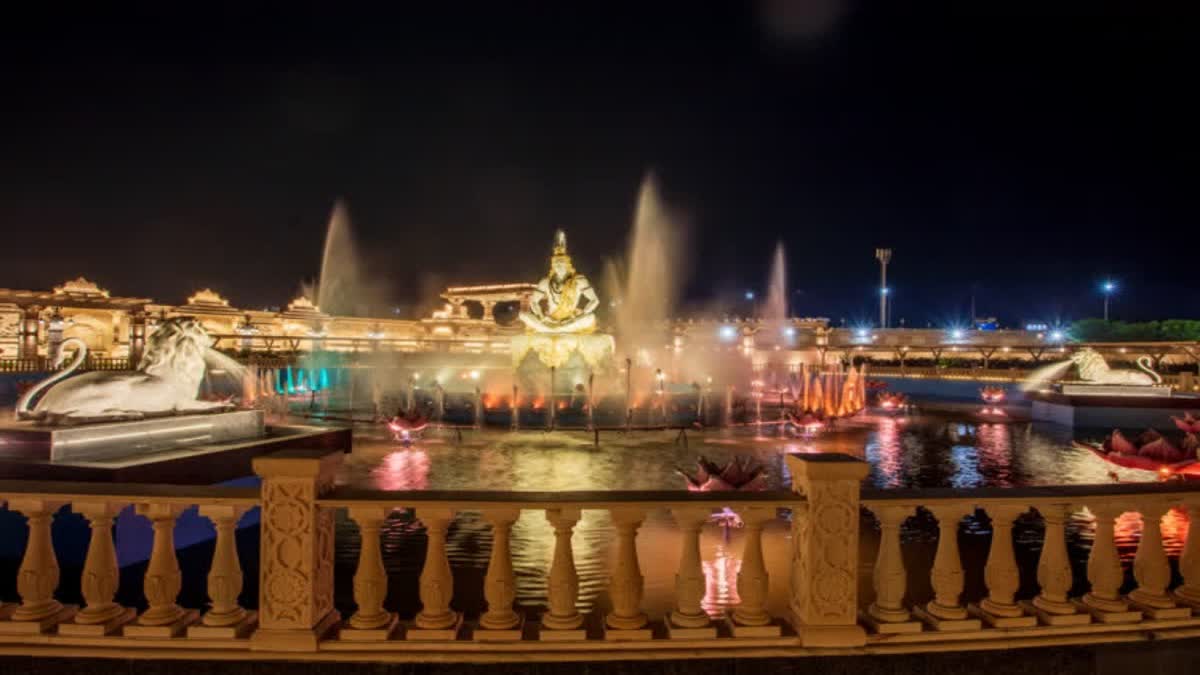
(992, 395)
(741, 473)
(891, 400)
(1153, 446)
(1187, 423)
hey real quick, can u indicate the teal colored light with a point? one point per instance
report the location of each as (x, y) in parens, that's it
(291, 387)
(324, 378)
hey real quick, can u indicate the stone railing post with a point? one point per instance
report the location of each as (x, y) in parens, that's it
(1151, 569)
(562, 620)
(500, 621)
(750, 617)
(1188, 592)
(626, 621)
(824, 597)
(101, 615)
(37, 577)
(163, 580)
(887, 614)
(688, 619)
(436, 621)
(945, 611)
(1000, 574)
(295, 606)
(371, 621)
(226, 618)
(1104, 571)
(1054, 572)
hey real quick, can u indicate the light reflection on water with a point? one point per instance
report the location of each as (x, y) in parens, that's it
(926, 451)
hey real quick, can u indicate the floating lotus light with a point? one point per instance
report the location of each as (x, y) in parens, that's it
(992, 394)
(891, 401)
(1150, 451)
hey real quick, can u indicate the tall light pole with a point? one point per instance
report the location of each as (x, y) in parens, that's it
(1109, 287)
(884, 256)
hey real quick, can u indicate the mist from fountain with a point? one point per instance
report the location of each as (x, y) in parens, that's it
(775, 311)
(645, 288)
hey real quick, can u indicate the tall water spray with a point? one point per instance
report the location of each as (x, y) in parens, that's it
(644, 290)
(342, 287)
(776, 308)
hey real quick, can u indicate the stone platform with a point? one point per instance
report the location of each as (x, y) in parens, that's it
(1108, 409)
(200, 464)
(105, 440)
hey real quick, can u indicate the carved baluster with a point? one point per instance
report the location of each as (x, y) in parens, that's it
(101, 615)
(626, 620)
(226, 618)
(1054, 572)
(750, 617)
(1104, 571)
(688, 619)
(1188, 592)
(562, 620)
(500, 622)
(38, 576)
(163, 579)
(436, 621)
(887, 613)
(371, 621)
(945, 612)
(1151, 569)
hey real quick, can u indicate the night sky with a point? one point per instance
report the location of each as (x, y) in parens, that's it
(1025, 156)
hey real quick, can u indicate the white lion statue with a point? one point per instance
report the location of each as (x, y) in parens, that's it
(166, 382)
(1093, 369)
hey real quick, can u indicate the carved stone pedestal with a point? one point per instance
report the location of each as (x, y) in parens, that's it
(552, 635)
(1055, 619)
(36, 626)
(513, 634)
(889, 627)
(771, 629)
(6, 610)
(234, 631)
(628, 634)
(1116, 615)
(385, 632)
(169, 630)
(413, 633)
(948, 625)
(999, 620)
(108, 627)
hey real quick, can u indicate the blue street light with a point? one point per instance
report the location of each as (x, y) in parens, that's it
(749, 295)
(1109, 287)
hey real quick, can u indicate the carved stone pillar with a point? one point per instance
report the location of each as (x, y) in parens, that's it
(562, 620)
(1151, 569)
(626, 621)
(888, 613)
(946, 612)
(1054, 572)
(489, 309)
(1104, 572)
(371, 621)
(226, 619)
(999, 609)
(750, 617)
(436, 621)
(688, 619)
(824, 600)
(101, 615)
(137, 337)
(37, 577)
(500, 621)
(295, 607)
(163, 579)
(1188, 592)
(27, 347)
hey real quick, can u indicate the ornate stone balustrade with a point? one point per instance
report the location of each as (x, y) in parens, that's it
(839, 600)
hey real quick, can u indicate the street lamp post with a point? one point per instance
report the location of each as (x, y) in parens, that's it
(884, 256)
(1109, 287)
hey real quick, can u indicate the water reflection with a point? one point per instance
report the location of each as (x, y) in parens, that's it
(918, 451)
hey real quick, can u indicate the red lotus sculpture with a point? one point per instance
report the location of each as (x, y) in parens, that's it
(891, 400)
(992, 395)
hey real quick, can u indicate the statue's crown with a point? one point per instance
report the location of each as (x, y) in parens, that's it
(560, 243)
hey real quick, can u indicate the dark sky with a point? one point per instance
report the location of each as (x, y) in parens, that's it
(1024, 155)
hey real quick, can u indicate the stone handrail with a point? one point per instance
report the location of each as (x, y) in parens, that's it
(824, 614)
